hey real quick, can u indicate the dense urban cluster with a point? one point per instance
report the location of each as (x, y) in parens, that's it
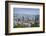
(24, 20)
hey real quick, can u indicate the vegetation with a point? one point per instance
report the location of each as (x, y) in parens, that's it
(35, 25)
(22, 25)
(19, 26)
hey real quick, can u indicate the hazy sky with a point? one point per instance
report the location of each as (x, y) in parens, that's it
(26, 11)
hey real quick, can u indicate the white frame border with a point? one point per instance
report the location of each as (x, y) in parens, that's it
(17, 30)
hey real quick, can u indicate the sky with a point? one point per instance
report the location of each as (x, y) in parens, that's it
(34, 11)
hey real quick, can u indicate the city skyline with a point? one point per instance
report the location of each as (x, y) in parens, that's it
(26, 17)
